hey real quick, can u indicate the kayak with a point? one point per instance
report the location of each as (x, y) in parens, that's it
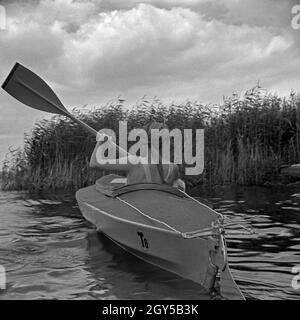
(162, 226)
(157, 223)
(291, 170)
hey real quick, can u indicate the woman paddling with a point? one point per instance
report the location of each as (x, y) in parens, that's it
(140, 169)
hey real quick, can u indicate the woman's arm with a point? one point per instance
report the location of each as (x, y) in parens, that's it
(172, 173)
(123, 163)
(108, 166)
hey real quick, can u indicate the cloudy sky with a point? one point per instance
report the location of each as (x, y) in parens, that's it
(92, 51)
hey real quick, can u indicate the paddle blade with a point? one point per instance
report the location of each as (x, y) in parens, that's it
(30, 89)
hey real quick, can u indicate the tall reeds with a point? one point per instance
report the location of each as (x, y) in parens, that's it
(246, 140)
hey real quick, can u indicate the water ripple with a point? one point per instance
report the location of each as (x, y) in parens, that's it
(50, 252)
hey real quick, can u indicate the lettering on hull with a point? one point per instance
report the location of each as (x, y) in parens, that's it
(143, 241)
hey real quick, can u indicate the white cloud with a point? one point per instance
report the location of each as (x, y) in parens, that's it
(124, 49)
(92, 51)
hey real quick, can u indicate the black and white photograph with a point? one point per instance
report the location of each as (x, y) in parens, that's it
(150, 151)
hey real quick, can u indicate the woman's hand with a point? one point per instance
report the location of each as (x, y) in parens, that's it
(179, 184)
(101, 137)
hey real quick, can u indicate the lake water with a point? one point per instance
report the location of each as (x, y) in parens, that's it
(50, 252)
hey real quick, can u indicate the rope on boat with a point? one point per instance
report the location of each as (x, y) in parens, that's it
(249, 230)
(216, 229)
(145, 215)
(202, 204)
(205, 232)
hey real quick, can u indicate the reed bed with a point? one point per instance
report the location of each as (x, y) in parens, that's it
(247, 138)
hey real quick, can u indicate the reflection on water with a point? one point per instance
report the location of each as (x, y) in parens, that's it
(49, 251)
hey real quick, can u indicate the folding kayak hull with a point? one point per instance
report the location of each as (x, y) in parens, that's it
(191, 258)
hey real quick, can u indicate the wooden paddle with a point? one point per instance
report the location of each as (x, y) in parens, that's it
(30, 89)
(33, 91)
